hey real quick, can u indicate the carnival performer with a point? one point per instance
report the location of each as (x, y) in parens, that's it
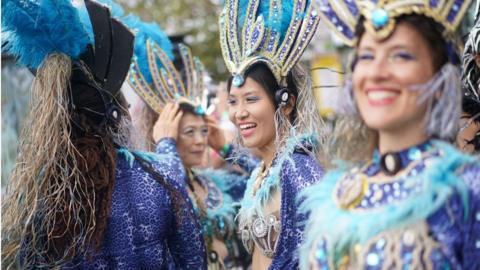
(272, 105)
(415, 203)
(468, 138)
(78, 198)
(174, 103)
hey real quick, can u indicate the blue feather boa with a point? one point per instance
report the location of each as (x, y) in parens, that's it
(143, 32)
(252, 206)
(35, 29)
(227, 210)
(343, 229)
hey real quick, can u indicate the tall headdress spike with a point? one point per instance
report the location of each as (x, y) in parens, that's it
(342, 16)
(156, 79)
(272, 32)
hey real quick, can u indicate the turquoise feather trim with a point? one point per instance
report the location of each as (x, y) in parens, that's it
(227, 211)
(252, 206)
(31, 30)
(147, 156)
(343, 229)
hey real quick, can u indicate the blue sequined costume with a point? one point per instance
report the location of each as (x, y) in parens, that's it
(291, 171)
(426, 217)
(143, 232)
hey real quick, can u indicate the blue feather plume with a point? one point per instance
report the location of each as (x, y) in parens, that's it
(34, 29)
(143, 32)
(280, 26)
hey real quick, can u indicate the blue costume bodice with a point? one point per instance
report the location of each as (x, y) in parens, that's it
(143, 231)
(425, 217)
(291, 172)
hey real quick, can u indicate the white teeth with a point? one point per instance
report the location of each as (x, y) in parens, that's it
(247, 126)
(379, 95)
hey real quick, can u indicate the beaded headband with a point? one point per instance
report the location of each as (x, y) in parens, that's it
(271, 32)
(342, 16)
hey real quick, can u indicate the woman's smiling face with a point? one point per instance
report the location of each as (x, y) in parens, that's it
(252, 111)
(384, 72)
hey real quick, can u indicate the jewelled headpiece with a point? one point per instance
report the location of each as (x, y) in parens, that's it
(343, 15)
(271, 32)
(157, 81)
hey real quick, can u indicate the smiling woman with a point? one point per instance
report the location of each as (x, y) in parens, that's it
(272, 104)
(414, 202)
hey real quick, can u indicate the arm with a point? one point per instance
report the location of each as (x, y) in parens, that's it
(297, 174)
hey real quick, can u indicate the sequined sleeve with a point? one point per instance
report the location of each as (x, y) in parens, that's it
(471, 248)
(298, 172)
(185, 241)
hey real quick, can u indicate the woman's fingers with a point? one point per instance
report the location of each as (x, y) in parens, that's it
(176, 120)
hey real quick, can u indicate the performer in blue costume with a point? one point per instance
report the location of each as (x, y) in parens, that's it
(415, 203)
(272, 105)
(174, 102)
(78, 198)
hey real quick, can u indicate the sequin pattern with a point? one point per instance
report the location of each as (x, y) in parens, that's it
(143, 232)
(295, 176)
(447, 239)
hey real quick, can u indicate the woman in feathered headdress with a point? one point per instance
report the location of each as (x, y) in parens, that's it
(77, 197)
(171, 97)
(272, 105)
(414, 203)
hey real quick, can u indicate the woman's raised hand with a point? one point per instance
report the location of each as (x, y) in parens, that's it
(168, 122)
(216, 137)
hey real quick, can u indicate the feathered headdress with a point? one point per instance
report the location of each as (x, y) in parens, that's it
(343, 16)
(271, 32)
(154, 77)
(33, 30)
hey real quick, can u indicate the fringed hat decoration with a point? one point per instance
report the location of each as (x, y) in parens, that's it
(272, 32)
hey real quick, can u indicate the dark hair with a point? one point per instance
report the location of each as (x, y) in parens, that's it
(261, 74)
(441, 51)
(188, 108)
